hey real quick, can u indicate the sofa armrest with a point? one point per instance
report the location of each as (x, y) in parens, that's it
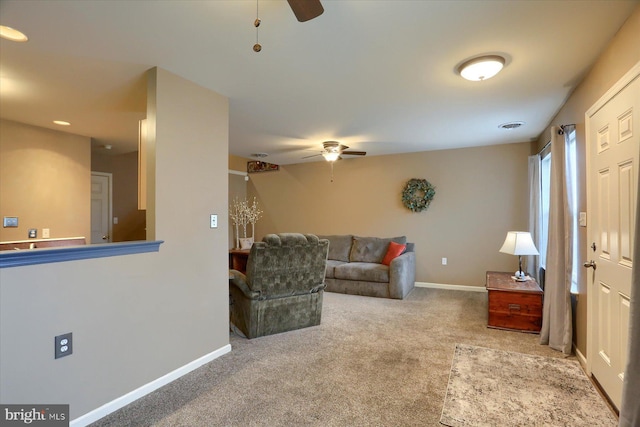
(402, 275)
(239, 280)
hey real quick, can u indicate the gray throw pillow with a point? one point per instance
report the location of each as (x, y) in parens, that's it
(339, 246)
(372, 249)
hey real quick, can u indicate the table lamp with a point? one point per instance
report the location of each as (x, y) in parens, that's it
(519, 243)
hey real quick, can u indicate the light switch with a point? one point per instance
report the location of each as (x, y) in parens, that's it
(46, 233)
(583, 219)
(214, 221)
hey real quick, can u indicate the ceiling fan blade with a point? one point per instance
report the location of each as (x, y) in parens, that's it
(313, 155)
(355, 153)
(306, 9)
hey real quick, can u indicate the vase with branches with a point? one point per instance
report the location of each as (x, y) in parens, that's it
(253, 215)
(241, 214)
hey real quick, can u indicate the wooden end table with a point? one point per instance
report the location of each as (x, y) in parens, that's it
(514, 305)
(238, 259)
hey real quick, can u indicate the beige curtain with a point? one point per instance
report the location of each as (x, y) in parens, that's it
(630, 408)
(556, 315)
(535, 214)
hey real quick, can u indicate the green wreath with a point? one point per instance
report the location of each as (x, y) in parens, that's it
(417, 194)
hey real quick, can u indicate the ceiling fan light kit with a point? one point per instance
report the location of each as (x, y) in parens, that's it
(481, 68)
(331, 156)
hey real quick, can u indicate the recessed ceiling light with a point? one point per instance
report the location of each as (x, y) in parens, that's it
(62, 123)
(511, 125)
(481, 68)
(12, 34)
(259, 155)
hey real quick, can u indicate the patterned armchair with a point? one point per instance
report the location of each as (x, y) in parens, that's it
(283, 286)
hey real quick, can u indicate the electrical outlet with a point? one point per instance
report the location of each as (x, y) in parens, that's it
(46, 233)
(33, 233)
(63, 345)
(214, 221)
(444, 261)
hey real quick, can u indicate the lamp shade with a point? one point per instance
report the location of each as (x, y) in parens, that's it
(519, 243)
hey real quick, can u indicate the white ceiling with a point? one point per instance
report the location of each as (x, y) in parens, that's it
(378, 76)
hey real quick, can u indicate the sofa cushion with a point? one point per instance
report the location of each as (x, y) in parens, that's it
(362, 271)
(331, 265)
(371, 249)
(339, 246)
(395, 250)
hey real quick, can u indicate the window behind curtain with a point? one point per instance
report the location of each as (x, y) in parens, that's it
(545, 188)
(571, 167)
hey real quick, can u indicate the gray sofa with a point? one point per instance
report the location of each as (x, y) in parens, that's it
(354, 266)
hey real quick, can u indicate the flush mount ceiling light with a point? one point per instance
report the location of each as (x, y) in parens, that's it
(481, 68)
(62, 123)
(12, 34)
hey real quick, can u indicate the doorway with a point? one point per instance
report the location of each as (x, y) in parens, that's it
(612, 179)
(101, 207)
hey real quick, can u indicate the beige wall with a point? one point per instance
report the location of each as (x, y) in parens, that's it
(45, 180)
(619, 57)
(238, 163)
(124, 170)
(481, 193)
(138, 317)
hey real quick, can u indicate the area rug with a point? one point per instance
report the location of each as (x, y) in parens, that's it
(499, 388)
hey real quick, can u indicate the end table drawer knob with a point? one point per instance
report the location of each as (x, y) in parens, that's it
(514, 307)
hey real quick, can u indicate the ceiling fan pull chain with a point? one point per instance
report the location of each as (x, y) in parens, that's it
(257, 47)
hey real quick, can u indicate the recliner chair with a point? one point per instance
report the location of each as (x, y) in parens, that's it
(283, 286)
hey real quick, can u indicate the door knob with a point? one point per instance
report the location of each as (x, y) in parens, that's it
(591, 263)
(105, 237)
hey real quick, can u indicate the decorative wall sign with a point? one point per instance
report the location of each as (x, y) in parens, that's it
(258, 166)
(417, 194)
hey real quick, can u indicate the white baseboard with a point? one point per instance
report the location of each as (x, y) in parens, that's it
(451, 287)
(580, 357)
(136, 394)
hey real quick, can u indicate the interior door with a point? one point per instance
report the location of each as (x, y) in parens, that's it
(100, 207)
(613, 146)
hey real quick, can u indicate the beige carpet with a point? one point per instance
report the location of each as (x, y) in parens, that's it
(372, 362)
(492, 387)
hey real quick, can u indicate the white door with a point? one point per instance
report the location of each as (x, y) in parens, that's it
(613, 141)
(100, 207)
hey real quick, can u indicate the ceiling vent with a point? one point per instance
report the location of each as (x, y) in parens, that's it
(511, 125)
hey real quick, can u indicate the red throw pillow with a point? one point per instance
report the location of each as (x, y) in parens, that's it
(395, 249)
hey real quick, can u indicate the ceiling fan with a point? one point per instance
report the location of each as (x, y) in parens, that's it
(306, 10)
(333, 151)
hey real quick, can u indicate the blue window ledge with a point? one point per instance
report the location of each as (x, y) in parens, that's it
(74, 253)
